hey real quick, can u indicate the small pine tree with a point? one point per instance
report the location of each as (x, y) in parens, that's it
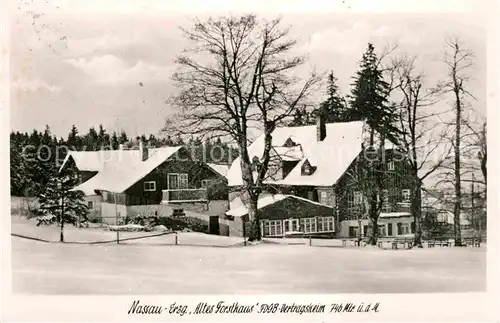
(60, 205)
(123, 138)
(115, 144)
(299, 117)
(334, 108)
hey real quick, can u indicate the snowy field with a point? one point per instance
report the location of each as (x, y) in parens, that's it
(195, 268)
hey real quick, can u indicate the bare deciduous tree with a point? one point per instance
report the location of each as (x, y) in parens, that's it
(458, 61)
(420, 138)
(242, 78)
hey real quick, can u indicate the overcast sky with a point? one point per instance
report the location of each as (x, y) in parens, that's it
(85, 69)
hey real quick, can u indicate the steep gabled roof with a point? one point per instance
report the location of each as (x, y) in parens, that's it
(332, 156)
(219, 168)
(238, 209)
(95, 160)
(119, 169)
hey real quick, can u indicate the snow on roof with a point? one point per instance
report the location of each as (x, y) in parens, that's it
(332, 156)
(394, 215)
(289, 153)
(95, 160)
(219, 168)
(122, 169)
(238, 209)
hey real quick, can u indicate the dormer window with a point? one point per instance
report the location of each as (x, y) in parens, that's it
(307, 168)
(289, 143)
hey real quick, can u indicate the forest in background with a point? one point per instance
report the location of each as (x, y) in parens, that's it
(35, 157)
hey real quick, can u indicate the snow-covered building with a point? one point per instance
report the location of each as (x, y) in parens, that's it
(314, 163)
(120, 183)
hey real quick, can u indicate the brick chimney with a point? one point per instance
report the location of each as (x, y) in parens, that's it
(320, 127)
(144, 151)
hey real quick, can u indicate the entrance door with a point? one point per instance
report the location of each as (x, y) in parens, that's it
(213, 225)
(353, 231)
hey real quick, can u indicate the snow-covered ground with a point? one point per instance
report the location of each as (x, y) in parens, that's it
(150, 268)
(28, 228)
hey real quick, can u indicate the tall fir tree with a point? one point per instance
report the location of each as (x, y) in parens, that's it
(92, 140)
(19, 178)
(369, 97)
(369, 102)
(74, 141)
(46, 157)
(59, 204)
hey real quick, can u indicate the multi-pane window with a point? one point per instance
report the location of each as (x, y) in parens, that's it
(308, 225)
(442, 217)
(183, 180)
(205, 182)
(323, 197)
(177, 181)
(405, 228)
(326, 224)
(385, 197)
(291, 225)
(90, 204)
(150, 186)
(354, 199)
(358, 198)
(382, 230)
(272, 228)
(406, 195)
(385, 202)
(390, 165)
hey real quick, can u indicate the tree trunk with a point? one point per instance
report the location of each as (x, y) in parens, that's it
(416, 210)
(377, 179)
(484, 170)
(250, 194)
(253, 216)
(61, 237)
(360, 229)
(374, 220)
(458, 191)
